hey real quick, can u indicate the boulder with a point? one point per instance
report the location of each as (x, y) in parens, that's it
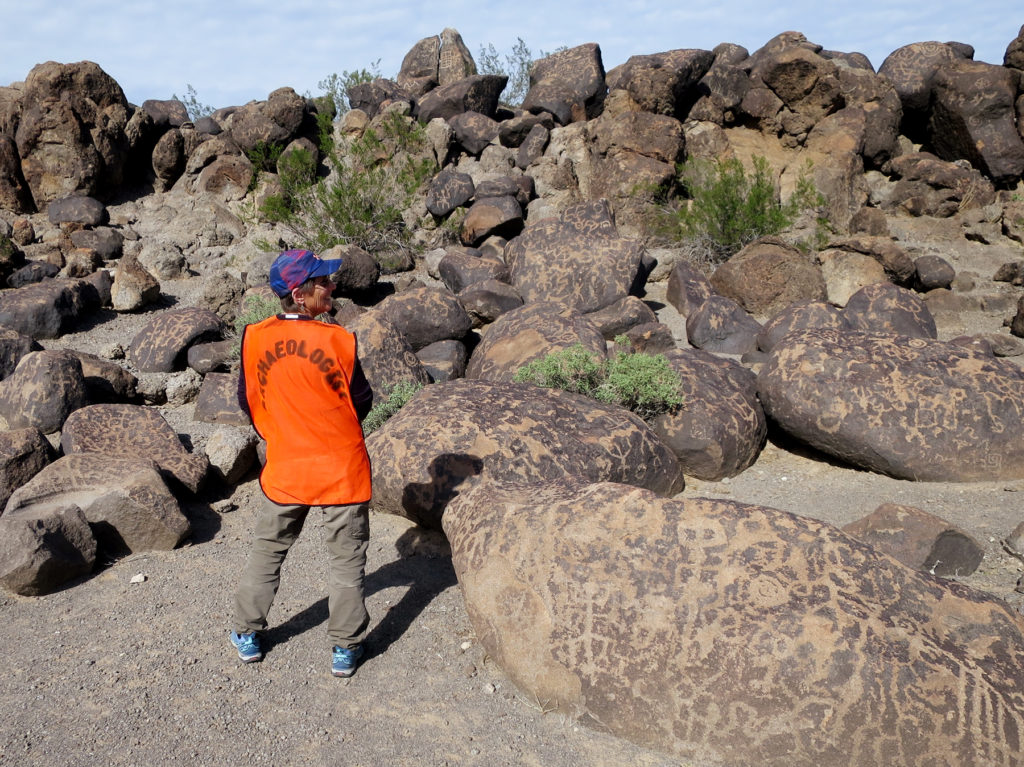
(727, 633)
(448, 190)
(616, 319)
(71, 135)
(687, 288)
(487, 300)
(23, 454)
(912, 69)
(920, 540)
(476, 93)
(125, 500)
(14, 346)
(912, 408)
(933, 272)
(107, 242)
(231, 453)
(1014, 56)
(420, 63)
(133, 287)
(845, 273)
(462, 267)
(217, 401)
(454, 61)
(129, 431)
(274, 122)
(386, 357)
(105, 380)
(804, 315)
(359, 270)
(767, 276)
(663, 83)
(452, 436)
(14, 192)
(491, 217)
(721, 325)
(40, 550)
(43, 390)
(48, 309)
(577, 259)
(529, 333)
(973, 118)
(425, 314)
(533, 146)
(928, 186)
(899, 266)
(569, 84)
(473, 131)
(887, 308)
(720, 429)
(372, 96)
(444, 360)
(162, 344)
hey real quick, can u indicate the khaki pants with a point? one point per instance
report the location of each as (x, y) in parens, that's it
(348, 534)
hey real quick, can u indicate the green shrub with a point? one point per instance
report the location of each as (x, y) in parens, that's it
(573, 370)
(373, 181)
(397, 398)
(643, 383)
(727, 208)
(255, 308)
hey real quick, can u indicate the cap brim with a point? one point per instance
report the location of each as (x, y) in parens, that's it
(326, 268)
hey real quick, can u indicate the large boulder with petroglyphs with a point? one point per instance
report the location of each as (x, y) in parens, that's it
(452, 436)
(733, 634)
(577, 259)
(912, 408)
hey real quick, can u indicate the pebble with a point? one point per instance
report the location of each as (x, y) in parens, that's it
(138, 578)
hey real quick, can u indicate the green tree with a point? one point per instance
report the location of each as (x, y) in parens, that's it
(515, 65)
(195, 108)
(336, 87)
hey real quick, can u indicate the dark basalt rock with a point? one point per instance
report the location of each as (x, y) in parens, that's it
(130, 431)
(659, 620)
(454, 435)
(161, 346)
(720, 429)
(911, 408)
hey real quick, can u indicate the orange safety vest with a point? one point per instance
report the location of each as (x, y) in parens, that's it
(297, 374)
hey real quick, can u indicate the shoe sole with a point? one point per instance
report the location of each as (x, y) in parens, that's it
(343, 674)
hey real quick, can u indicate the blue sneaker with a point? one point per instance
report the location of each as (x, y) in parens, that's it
(343, 660)
(248, 646)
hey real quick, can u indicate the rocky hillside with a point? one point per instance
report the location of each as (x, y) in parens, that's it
(882, 349)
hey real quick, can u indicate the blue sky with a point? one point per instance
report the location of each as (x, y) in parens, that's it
(233, 52)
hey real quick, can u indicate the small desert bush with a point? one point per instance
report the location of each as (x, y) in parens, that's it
(643, 383)
(724, 207)
(397, 398)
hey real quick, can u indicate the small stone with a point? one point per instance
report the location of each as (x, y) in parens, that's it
(465, 646)
(489, 689)
(138, 578)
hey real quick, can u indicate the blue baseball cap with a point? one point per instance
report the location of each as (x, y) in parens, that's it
(294, 267)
